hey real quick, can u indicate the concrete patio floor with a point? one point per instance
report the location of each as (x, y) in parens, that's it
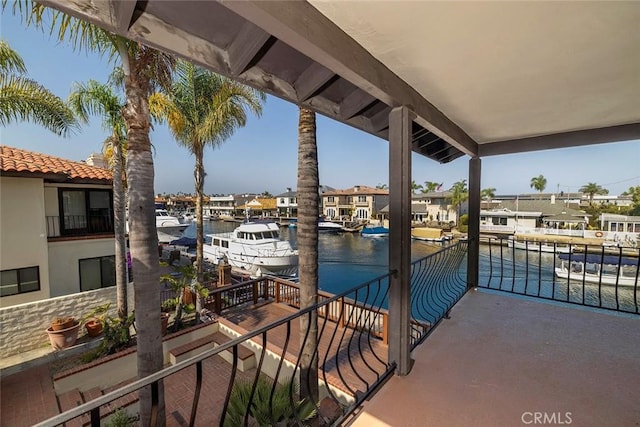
(501, 359)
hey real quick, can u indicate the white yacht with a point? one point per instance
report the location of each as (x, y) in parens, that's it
(254, 247)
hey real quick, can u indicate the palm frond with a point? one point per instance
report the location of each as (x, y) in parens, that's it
(23, 99)
(10, 60)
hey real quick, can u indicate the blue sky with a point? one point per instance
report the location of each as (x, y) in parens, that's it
(263, 155)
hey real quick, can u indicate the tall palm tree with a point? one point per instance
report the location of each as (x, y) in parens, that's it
(144, 69)
(539, 183)
(488, 193)
(459, 195)
(430, 186)
(307, 235)
(592, 189)
(23, 99)
(203, 108)
(94, 98)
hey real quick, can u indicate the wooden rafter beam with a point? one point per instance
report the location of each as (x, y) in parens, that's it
(123, 11)
(249, 46)
(354, 103)
(312, 80)
(304, 28)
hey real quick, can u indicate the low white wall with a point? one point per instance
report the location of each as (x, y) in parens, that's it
(23, 326)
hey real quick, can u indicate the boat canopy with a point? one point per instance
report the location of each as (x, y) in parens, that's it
(599, 259)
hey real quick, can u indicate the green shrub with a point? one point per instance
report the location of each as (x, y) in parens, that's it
(283, 408)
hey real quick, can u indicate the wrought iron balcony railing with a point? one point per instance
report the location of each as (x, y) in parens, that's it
(589, 275)
(351, 349)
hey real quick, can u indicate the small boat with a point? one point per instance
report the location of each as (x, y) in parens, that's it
(329, 227)
(254, 247)
(548, 247)
(596, 268)
(429, 234)
(375, 232)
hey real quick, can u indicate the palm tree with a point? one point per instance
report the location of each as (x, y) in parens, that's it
(23, 99)
(203, 108)
(415, 187)
(459, 195)
(592, 189)
(430, 186)
(307, 234)
(539, 183)
(143, 69)
(99, 99)
(488, 193)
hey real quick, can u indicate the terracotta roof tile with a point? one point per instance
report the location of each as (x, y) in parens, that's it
(18, 160)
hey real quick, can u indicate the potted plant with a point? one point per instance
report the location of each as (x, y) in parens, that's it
(60, 323)
(63, 332)
(94, 321)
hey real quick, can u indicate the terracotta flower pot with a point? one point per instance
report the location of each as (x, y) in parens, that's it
(62, 323)
(63, 338)
(94, 327)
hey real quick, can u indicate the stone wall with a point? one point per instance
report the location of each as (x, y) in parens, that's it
(23, 327)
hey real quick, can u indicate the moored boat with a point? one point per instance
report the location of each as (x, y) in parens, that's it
(547, 247)
(429, 234)
(597, 268)
(254, 247)
(375, 232)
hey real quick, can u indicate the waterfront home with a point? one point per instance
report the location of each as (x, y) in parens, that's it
(433, 206)
(356, 203)
(287, 203)
(57, 227)
(259, 206)
(221, 205)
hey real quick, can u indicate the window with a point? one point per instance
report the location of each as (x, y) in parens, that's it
(96, 273)
(330, 199)
(362, 199)
(282, 201)
(292, 200)
(362, 214)
(85, 211)
(19, 281)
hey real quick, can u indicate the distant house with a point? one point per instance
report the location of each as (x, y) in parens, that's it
(56, 228)
(287, 203)
(260, 206)
(356, 203)
(429, 207)
(222, 205)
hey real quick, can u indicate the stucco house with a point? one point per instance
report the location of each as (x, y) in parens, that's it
(287, 203)
(56, 227)
(356, 203)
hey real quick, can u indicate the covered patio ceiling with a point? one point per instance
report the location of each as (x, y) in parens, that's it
(482, 78)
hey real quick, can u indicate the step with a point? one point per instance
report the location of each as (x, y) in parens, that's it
(70, 400)
(246, 357)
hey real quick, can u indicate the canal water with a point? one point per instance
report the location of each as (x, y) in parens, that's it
(349, 259)
(345, 259)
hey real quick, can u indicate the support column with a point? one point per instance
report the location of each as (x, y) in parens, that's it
(400, 123)
(473, 257)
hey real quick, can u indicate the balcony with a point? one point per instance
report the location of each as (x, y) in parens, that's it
(496, 355)
(79, 225)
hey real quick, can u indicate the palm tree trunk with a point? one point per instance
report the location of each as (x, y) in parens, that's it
(143, 240)
(307, 234)
(198, 150)
(120, 231)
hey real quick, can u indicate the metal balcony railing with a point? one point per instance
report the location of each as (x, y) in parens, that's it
(588, 275)
(350, 350)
